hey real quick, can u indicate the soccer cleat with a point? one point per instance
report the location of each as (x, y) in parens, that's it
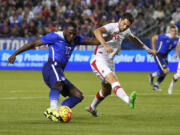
(156, 88)
(132, 100)
(52, 114)
(151, 78)
(93, 112)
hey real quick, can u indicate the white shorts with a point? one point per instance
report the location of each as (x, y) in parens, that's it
(178, 68)
(101, 67)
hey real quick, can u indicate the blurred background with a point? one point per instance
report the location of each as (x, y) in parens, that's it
(32, 18)
(22, 21)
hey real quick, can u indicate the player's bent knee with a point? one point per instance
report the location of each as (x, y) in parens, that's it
(80, 95)
(58, 85)
(76, 92)
(166, 71)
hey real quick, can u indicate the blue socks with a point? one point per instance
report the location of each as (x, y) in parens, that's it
(160, 79)
(54, 97)
(71, 101)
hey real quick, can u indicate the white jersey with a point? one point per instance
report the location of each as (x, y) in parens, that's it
(115, 43)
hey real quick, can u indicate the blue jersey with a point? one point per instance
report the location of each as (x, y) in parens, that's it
(165, 43)
(59, 49)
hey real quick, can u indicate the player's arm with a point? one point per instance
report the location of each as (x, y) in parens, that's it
(98, 34)
(26, 47)
(91, 41)
(154, 39)
(139, 43)
(177, 50)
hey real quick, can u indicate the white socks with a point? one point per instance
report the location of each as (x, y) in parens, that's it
(98, 98)
(154, 74)
(174, 79)
(53, 103)
(120, 92)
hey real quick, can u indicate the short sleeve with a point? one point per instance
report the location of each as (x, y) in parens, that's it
(49, 38)
(128, 33)
(109, 27)
(161, 36)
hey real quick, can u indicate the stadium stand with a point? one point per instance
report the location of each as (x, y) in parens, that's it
(33, 18)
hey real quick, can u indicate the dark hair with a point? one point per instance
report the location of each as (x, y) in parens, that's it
(173, 26)
(71, 24)
(128, 16)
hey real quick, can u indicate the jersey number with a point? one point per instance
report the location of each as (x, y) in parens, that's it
(68, 50)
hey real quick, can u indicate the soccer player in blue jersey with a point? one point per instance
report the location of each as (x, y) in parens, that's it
(162, 45)
(61, 45)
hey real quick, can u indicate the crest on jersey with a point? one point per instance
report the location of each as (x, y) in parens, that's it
(116, 35)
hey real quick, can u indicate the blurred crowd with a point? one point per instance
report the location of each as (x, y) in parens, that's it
(33, 18)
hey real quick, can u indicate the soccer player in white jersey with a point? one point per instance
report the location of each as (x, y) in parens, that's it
(102, 61)
(177, 75)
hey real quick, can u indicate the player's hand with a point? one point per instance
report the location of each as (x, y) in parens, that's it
(153, 52)
(108, 49)
(175, 56)
(11, 59)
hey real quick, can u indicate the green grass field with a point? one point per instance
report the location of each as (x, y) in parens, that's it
(24, 97)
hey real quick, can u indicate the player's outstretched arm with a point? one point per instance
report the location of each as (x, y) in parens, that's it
(26, 47)
(138, 42)
(154, 39)
(94, 41)
(177, 50)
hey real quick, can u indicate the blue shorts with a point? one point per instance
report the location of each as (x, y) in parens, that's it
(162, 61)
(53, 73)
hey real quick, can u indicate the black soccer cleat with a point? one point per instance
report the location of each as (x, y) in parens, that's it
(93, 112)
(156, 88)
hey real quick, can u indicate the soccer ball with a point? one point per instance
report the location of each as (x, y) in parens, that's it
(65, 113)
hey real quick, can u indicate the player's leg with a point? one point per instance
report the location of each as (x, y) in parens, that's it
(162, 70)
(151, 77)
(54, 94)
(100, 96)
(53, 77)
(118, 90)
(51, 113)
(104, 69)
(174, 79)
(75, 95)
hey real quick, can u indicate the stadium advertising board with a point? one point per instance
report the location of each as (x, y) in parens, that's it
(127, 60)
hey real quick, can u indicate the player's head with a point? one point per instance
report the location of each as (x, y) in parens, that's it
(125, 21)
(70, 31)
(173, 30)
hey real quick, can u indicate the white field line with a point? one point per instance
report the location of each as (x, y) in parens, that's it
(46, 97)
(45, 90)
